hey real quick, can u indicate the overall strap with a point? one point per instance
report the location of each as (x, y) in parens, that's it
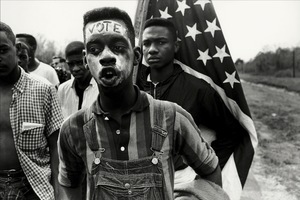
(91, 136)
(89, 129)
(159, 132)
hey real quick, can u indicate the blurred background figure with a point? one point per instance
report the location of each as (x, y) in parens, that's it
(23, 51)
(80, 91)
(23, 55)
(35, 66)
(61, 68)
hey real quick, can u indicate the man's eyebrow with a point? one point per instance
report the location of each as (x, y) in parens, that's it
(4, 45)
(92, 40)
(120, 39)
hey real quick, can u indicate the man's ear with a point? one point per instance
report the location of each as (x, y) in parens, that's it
(177, 46)
(84, 59)
(137, 55)
(18, 46)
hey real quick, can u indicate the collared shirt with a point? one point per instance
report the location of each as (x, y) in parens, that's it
(69, 100)
(131, 139)
(34, 114)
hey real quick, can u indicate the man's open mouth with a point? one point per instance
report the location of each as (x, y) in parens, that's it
(108, 73)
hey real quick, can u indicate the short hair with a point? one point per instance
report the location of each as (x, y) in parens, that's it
(30, 40)
(61, 59)
(23, 45)
(8, 31)
(110, 13)
(162, 22)
(74, 48)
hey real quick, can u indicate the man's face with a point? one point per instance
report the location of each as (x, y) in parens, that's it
(23, 58)
(109, 53)
(76, 66)
(55, 62)
(8, 57)
(24, 40)
(159, 46)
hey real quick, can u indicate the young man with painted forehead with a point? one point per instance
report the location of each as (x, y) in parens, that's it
(126, 140)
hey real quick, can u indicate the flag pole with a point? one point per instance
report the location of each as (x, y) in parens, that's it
(140, 16)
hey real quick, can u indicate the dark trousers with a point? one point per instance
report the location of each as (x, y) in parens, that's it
(15, 186)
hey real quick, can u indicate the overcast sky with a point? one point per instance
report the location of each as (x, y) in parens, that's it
(249, 26)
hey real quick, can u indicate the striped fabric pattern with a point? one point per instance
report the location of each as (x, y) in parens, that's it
(35, 103)
(135, 128)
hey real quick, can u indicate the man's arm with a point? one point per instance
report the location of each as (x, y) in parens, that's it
(197, 152)
(229, 132)
(71, 165)
(52, 141)
(67, 193)
(215, 176)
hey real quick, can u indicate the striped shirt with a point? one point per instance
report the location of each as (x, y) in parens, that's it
(132, 140)
(35, 114)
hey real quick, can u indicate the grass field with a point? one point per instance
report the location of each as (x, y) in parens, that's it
(290, 84)
(276, 114)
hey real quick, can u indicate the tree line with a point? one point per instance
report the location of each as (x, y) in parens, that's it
(284, 62)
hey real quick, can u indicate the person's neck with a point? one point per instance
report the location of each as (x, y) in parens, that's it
(33, 64)
(83, 83)
(12, 78)
(119, 100)
(160, 74)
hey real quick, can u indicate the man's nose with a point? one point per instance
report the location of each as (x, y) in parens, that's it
(107, 58)
(152, 49)
(76, 68)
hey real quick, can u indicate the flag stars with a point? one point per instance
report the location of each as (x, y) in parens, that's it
(221, 53)
(212, 27)
(192, 32)
(204, 56)
(182, 6)
(165, 14)
(202, 3)
(231, 79)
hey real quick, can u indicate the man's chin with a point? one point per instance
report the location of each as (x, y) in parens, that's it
(113, 82)
(155, 65)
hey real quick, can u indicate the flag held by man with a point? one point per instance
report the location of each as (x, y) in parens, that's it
(205, 54)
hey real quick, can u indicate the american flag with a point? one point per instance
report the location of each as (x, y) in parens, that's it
(205, 54)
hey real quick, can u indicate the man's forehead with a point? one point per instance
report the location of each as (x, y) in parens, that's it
(74, 57)
(105, 27)
(21, 39)
(23, 51)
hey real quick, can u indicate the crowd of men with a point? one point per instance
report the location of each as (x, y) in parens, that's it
(82, 129)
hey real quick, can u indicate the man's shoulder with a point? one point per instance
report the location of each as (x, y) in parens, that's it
(42, 64)
(36, 82)
(80, 117)
(66, 85)
(39, 78)
(46, 67)
(161, 104)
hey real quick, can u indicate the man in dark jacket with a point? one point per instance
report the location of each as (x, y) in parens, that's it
(165, 80)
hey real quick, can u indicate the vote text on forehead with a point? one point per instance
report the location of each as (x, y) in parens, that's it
(105, 26)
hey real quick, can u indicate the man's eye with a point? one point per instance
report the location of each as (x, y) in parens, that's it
(23, 57)
(94, 50)
(119, 48)
(146, 44)
(3, 51)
